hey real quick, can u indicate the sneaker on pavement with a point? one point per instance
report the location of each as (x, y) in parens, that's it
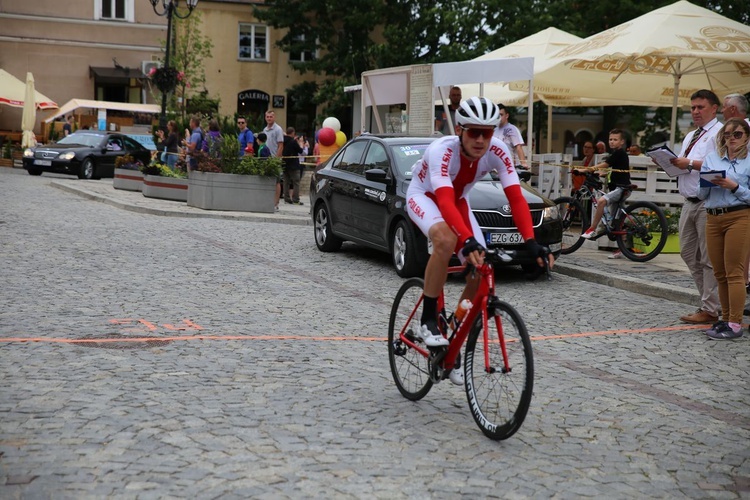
(699, 317)
(457, 376)
(297, 203)
(276, 209)
(715, 327)
(616, 255)
(431, 336)
(725, 332)
(591, 233)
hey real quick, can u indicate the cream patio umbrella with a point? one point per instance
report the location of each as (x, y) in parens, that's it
(13, 91)
(29, 114)
(540, 46)
(657, 59)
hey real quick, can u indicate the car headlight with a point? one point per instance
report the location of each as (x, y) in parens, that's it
(27, 153)
(551, 213)
(67, 156)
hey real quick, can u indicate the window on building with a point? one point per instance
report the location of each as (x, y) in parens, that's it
(115, 10)
(253, 42)
(301, 56)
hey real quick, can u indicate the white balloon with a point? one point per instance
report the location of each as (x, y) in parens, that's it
(332, 122)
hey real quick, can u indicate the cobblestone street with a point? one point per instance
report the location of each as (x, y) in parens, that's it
(144, 356)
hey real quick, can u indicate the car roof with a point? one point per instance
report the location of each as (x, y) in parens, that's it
(400, 139)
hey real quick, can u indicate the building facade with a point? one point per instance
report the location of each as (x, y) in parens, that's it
(103, 49)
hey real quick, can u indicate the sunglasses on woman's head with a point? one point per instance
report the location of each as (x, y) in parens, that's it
(737, 134)
(474, 133)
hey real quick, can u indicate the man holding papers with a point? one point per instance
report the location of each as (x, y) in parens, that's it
(704, 105)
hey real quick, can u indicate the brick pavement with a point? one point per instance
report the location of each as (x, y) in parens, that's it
(243, 390)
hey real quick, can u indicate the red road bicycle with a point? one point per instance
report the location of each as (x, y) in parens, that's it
(498, 362)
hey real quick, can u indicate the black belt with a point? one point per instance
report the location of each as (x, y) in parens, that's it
(693, 199)
(726, 210)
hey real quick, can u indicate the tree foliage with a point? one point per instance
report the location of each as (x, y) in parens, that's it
(189, 49)
(352, 37)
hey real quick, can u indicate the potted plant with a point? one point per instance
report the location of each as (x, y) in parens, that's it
(6, 158)
(128, 175)
(228, 181)
(160, 181)
(673, 228)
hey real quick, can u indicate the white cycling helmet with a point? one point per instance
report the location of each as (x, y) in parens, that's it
(478, 111)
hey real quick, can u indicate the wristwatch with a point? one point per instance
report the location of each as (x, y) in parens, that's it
(690, 166)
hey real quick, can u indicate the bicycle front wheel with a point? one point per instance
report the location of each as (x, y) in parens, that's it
(642, 231)
(408, 365)
(499, 394)
(575, 222)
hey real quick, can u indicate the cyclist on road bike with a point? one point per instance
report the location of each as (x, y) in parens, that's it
(437, 202)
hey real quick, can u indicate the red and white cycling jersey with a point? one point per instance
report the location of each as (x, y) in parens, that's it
(442, 179)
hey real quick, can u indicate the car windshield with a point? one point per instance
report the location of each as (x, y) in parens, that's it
(91, 140)
(406, 156)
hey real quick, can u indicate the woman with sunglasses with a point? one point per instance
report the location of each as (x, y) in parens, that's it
(438, 203)
(727, 202)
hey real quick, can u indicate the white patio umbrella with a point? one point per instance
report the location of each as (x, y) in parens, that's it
(657, 59)
(540, 46)
(13, 91)
(29, 114)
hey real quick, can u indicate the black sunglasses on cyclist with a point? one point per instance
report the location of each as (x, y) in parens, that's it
(474, 133)
(737, 134)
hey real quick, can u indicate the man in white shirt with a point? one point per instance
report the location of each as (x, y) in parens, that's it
(735, 106)
(704, 105)
(511, 136)
(275, 143)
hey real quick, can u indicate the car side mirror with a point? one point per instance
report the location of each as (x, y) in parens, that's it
(524, 175)
(376, 175)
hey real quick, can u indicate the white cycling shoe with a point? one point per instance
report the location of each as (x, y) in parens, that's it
(430, 339)
(457, 376)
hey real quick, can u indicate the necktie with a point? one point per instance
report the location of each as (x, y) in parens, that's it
(696, 135)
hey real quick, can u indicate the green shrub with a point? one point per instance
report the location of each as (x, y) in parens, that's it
(266, 167)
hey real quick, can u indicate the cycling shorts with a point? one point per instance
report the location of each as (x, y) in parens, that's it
(425, 214)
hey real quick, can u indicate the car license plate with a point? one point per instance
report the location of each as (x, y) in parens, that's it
(44, 163)
(506, 238)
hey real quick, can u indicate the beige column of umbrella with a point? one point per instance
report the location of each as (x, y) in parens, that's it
(657, 59)
(29, 114)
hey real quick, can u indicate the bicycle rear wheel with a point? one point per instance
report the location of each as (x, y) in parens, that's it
(645, 231)
(575, 222)
(499, 399)
(408, 366)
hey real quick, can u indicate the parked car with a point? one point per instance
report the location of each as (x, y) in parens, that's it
(359, 195)
(89, 154)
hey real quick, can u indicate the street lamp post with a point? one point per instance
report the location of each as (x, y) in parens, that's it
(169, 8)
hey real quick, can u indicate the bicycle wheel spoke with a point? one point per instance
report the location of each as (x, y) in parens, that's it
(408, 365)
(574, 222)
(643, 231)
(499, 400)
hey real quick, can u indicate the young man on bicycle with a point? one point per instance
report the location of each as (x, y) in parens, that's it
(437, 202)
(618, 179)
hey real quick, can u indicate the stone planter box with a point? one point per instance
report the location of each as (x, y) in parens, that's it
(241, 193)
(165, 188)
(129, 180)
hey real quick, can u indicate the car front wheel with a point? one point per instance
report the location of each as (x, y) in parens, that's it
(324, 237)
(404, 251)
(87, 169)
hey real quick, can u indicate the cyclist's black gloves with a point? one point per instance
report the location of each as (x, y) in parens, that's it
(470, 245)
(535, 249)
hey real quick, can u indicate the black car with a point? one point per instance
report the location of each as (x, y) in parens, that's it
(89, 154)
(359, 195)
